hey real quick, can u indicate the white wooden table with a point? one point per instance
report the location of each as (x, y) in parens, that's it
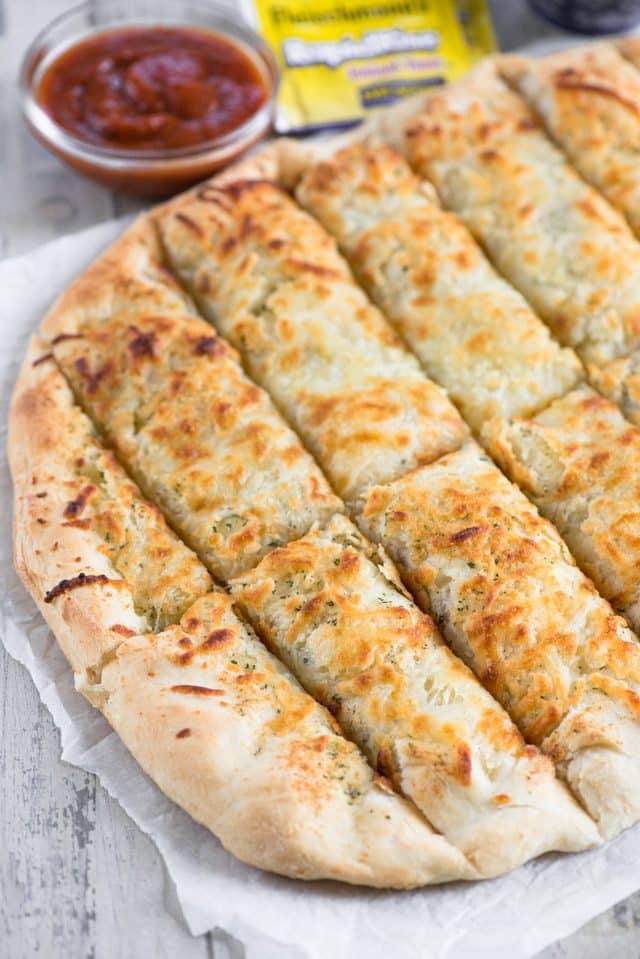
(77, 878)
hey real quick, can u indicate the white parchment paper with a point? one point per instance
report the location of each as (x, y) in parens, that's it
(514, 916)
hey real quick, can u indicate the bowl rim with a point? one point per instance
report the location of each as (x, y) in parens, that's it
(239, 33)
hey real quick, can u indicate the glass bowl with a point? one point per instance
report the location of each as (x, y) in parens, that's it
(148, 172)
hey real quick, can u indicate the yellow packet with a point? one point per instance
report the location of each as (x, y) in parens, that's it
(342, 59)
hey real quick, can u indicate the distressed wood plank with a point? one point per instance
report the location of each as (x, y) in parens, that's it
(613, 935)
(47, 830)
(136, 911)
(77, 877)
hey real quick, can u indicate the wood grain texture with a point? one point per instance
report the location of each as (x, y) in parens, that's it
(77, 877)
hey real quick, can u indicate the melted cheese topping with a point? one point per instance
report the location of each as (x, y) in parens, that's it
(473, 333)
(81, 494)
(501, 584)
(551, 235)
(580, 462)
(247, 752)
(620, 382)
(589, 100)
(200, 438)
(327, 607)
(271, 280)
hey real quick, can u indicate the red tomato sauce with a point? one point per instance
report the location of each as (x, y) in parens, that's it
(154, 88)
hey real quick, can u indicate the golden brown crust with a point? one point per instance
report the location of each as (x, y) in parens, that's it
(129, 276)
(620, 382)
(271, 280)
(502, 586)
(201, 439)
(550, 234)
(81, 529)
(589, 100)
(228, 733)
(474, 334)
(579, 460)
(357, 643)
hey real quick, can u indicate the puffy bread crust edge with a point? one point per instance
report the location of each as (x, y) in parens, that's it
(629, 47)
(269, 832)
(135, 255)
(541, 816)
(256, 817)
(82, 619)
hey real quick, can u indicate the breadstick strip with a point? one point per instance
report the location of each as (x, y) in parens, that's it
(269, 277)
(589, 101)
(579, 461)
(82, 528)
(550, 234)
(330, 607)
(229, 734)
(202, 440)
(513, 605)
(472, 332)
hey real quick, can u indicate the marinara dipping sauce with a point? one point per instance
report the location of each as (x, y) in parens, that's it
(152, 89)
(162, 95)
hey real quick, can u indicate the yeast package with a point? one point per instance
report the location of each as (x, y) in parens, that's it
(342, 59)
